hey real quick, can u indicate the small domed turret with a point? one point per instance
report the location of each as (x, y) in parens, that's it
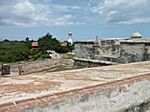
(136, 35)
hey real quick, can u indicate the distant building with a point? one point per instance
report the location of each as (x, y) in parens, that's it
(63, 43)
(35, 44)
(112, 51)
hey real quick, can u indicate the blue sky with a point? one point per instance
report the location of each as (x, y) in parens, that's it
(84, 18)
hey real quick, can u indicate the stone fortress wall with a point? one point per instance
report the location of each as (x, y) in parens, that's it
(105, 49)
(84, 50)
(112, 51)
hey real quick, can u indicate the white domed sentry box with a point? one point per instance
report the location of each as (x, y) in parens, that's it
(136, 35)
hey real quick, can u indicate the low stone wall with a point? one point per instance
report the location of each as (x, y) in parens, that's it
(35, 66)
(128, 95)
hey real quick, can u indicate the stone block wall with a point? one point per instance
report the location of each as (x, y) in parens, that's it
(113, 50)
(147, 52)
(97, 50)
(35, 66)
(83, 50)
(131, 52)
(107, 48)
(106, 51)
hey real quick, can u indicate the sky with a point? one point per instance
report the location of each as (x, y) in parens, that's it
(84, 18)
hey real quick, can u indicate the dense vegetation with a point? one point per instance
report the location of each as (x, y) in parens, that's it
(14, 51)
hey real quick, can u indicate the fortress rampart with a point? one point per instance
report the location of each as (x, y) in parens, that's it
(117, 88)
(112, 51)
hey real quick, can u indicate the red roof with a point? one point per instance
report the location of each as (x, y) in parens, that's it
(35, 44)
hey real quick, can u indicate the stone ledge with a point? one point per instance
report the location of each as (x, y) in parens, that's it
(96, 61)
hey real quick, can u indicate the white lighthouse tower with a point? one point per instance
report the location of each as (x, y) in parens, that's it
(70, 38)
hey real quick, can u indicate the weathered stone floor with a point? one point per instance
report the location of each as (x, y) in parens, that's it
(39, 84)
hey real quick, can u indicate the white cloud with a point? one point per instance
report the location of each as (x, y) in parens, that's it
(124, 11)
(27, 13)
(64, 8)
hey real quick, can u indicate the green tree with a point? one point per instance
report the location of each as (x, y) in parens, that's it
(6, 40)
(27, 39)
(48, 42)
